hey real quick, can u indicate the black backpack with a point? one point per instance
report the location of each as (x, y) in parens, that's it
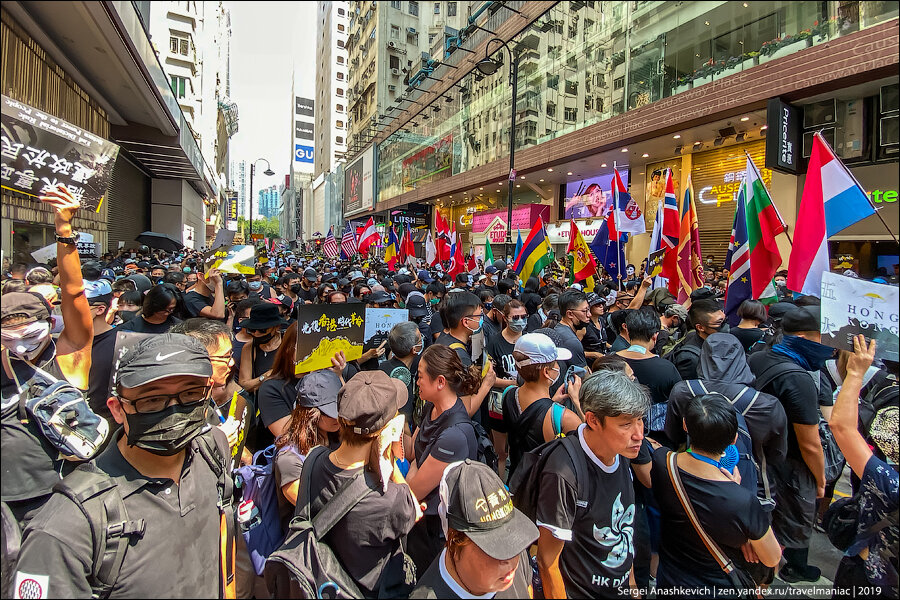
(101, 501)
(526, 480)
(840, 523)
(884, 393)
(484, 446)
(304, 566)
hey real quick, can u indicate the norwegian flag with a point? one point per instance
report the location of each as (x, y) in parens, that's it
(348, 242)
(330, 246)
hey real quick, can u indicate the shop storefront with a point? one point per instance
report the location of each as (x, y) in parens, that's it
(491, 225)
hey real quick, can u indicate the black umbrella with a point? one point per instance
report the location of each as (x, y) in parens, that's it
(160, 241)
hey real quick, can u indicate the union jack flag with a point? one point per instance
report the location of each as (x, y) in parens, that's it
(348, 242)
(330, 246)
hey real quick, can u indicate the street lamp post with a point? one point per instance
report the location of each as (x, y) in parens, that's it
(489, 66)
(269, 172)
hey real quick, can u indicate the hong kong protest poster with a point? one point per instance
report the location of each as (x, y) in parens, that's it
(853, 306)
(41, 151)
(323, 330)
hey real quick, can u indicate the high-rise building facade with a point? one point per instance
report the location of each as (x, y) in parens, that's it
(238, 182)
(269, 202)
(331, 85)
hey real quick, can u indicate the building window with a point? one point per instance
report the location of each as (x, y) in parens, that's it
(341, 12)
(179, 45)
(431, 37)
(339, 107)
(571, 114)
(395, 32)
(437, 8)
(396, 4)
(394, 62)
(551, 109)
(571, 87)
(339, 124)
(451, 9)
(618, 83)
(179, 86)
(553, 82)
(340, 27)
(339, 92)
(339, 139)
(414, 9)
(340, 60)
(340, 43)
(340, 76)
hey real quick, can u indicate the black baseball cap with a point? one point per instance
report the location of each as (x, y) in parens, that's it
(311, 274)
(416, 304)
(479, 505)
(802, 318)
(370, 399)
(319, 389)
(161, 356)
(378, 298)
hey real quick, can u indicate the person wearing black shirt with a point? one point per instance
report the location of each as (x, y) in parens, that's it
(530, 297)
(156, 313)
(752, 314)
(706, 317)
(487, 540)
(659, 375)
(439, 441)
(205, 300)
(307, 286)
(594, 340)
(729, 514)
(406, 342)
(586, 549)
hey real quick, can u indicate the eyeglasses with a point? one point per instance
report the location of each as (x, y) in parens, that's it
(584, 311)
(225, 358)
(152, 404)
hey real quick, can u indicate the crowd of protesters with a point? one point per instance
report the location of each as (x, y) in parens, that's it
(652, 439)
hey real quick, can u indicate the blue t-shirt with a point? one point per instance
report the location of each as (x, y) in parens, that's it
(880, 496)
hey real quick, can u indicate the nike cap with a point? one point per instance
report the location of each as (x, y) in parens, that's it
(160, 356)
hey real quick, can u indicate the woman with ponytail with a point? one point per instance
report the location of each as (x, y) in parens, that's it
(444, 436)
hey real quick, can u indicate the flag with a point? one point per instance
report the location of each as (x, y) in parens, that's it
(488, 252)
(762, 223)
(442, 240)
(471, 265)
(518, 249)
(669, 231)
(689, 257)
(457, 263)
(609, 250)
(348, 243)
(392, 250)
(368, 236)
(410, 250)
(535, 253)
(583, 263)
(845, 201)
(330, 246)
(452, 240)
(629, 218)
(737, 261)
(431, 256)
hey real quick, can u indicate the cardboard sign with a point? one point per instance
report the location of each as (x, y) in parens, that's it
(853, 306)
(236, 259)
(224, 238)
(41, 151)
(379, 322)
(323, 329)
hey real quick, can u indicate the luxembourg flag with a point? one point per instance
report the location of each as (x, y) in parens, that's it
(831, 202)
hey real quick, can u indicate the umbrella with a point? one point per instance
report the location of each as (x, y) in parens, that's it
(160, 241)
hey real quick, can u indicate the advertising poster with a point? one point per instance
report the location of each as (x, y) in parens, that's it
(432, 163)
(323, 329)
(379, 322)
(41, 151)
(231, 211)
(854, 306)
(359, 184)
(590, 198)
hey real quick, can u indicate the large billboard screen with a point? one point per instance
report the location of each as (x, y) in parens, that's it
(359, 183)
(588, 198)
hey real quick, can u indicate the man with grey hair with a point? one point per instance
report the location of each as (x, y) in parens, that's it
(406, 344)
(585, 504)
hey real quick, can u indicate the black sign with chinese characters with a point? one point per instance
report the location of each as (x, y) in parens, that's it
(323, 330)
(41, 151)
(783, 148)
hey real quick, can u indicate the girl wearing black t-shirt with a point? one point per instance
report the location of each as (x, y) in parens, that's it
(444, 436)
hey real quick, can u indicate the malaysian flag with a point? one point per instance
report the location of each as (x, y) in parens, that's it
(330, 246)
(348, 242)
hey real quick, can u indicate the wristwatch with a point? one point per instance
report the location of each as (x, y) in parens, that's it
(262, 378)
(71, 241)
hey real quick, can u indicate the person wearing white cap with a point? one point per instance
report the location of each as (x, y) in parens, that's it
(530, 416)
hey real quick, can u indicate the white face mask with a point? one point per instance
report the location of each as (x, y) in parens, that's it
(555, 379)
(26, 343)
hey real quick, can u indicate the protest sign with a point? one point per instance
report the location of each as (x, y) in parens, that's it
(224, 238)
(43, 255)
(41, 151)
(853, 306)
(655, 263)
(325, 329)
(237, 259)
(379, 322)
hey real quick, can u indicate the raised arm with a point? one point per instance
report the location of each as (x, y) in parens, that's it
(844, 415)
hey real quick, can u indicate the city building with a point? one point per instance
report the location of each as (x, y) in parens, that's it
(641, 87)
(269, 201)
(238, 180)
(331, 75)
(109, 81)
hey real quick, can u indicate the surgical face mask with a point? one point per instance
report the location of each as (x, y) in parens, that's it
(556, 378)
(255, 286)
(168, 431)
(480, 324)
(780, 282)
(517, 325)
(435, 301)
(420, 346)
(26, 343)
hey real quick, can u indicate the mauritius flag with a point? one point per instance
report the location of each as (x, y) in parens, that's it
(762, 224)
(738, 262)
(535, 254)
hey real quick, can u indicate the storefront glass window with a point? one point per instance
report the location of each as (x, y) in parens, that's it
(593, 61)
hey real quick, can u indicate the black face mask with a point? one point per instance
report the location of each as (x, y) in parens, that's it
(259, 341)
(579, 325)
(168, 431)
(295, 289)
(127, 315)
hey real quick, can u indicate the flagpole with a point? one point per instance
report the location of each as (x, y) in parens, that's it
(777, 213)
(618, 233)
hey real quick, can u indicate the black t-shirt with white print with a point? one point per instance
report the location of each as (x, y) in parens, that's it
(598, 528)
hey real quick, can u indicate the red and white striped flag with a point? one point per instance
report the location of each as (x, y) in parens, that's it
(330, 246)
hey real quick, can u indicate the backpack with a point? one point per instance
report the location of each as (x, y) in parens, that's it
(673, 352)
(304, 566)
(257, 512)
(883, 394)
(101, 501)
(840, 524)
(834, 459)
(484, 447)
(526, 480)
(751, 472)
(60, 412)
